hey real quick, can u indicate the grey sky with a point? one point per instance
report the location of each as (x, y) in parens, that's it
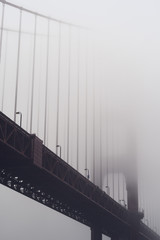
(130, 48)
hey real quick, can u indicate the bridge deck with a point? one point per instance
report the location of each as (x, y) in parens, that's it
(30, 168)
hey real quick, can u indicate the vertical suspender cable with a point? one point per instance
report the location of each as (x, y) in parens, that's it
(146, 211)
(39, 93)
(150, 215)
(112, 157)
(100, 139)
(117, 162)
(68, 102)
(58, 83)
(154, 222)
(86, 107)
(142, 199)
(93, 112)
(140, 203)
(39, 96)
(46, 87)
(18, 60)
(28, 92)
(33, 73)
(4, 75)
(78, 78)
(118, 182)
(107, 172)
(2, 23)
(123, 189)
(1, 38)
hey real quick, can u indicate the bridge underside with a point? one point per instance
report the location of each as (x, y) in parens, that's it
(22, 176)
(31, 169)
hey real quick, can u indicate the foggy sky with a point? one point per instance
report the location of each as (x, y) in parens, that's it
(130, 50)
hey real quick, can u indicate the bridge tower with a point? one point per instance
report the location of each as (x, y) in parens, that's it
(131, 175)
(130, 172)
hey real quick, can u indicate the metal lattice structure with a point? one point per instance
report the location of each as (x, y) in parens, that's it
(60, 187)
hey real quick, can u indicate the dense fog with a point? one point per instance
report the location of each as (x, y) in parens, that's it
(95, 92)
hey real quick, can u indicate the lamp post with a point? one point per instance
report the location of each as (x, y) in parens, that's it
(87, 170)
(20, 118)
(108, 189)
(60, 149)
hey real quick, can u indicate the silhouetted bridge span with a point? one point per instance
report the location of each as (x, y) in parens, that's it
(30, 168)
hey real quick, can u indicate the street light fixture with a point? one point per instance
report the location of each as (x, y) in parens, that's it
(20, 118)
(60, 149)
(86, 169)
(108, 190)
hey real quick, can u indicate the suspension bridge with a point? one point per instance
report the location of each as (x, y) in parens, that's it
(53, 147)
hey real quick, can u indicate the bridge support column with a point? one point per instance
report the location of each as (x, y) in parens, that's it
(96, 233)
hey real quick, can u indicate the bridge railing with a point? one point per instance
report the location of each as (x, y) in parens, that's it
(68, 175)
(31, 147)
(146, 231)
(15, 137)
